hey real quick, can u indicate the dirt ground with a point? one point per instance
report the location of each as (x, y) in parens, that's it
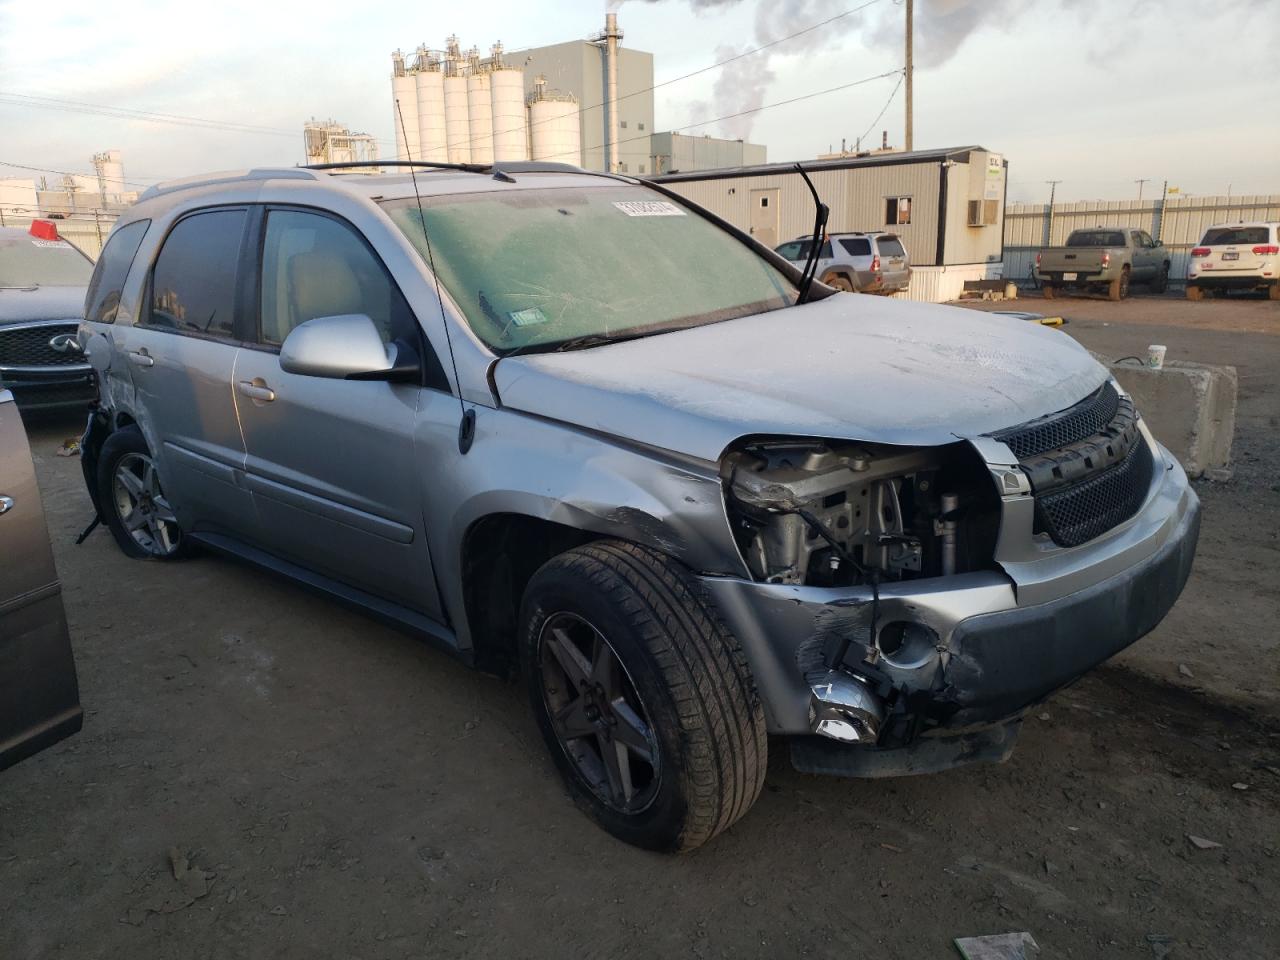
(336, 789)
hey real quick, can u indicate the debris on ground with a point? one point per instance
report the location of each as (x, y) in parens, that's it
(1161, 946)
(1239, 786)
(1185, 670)
(189, 884)
(70, 447)
(1000, 946)
(1203, 843)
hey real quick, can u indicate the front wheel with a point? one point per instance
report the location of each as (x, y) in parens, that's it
(132, 502)
(642, 695)
(1161, 283)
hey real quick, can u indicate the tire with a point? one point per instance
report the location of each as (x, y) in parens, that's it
(1118, 288)
(1048, 291)
(692, 702)
(1194, 292)
(1273, 292)
(136, 511)
(1161, 283)
(839, 282)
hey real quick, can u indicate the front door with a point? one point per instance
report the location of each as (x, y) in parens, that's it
(331, 463)
(181, 355)
(39, 699)
(765, 221)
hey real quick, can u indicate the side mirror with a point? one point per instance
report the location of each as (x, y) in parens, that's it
(346, 347)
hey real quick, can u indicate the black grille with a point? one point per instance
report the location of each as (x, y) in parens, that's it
(1078, 513)
(1066, 427)
(29, 347)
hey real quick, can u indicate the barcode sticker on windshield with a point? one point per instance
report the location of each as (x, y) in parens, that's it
(61, 244)
(527, 317)
(648, 208)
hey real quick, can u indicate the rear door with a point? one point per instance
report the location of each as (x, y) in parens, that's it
(39, 697)
(765, 221)
(331, 463)
(181, 356)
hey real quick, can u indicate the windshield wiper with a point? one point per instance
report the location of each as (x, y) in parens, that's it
(821, 213)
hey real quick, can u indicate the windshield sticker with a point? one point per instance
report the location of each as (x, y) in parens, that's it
(528, 317)
(648, 208)
(60, 244)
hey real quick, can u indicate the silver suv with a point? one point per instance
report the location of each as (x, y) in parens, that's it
(856, 262)
(516, 412)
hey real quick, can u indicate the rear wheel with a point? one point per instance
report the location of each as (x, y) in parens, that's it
(643, 697)
(839, 282)
(1194, 292)
(1273, 292)
(133, 504)
(1118, 289)
(1048, 291)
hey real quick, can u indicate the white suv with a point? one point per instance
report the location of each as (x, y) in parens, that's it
(856, 262)
(1241, 256)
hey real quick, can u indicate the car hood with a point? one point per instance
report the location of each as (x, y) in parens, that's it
(846, 367)
(42, 303)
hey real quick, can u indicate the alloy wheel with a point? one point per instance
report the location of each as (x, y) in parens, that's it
(597, 715)
(141, 506)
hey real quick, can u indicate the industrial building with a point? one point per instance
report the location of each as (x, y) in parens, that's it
(947, 205)
(453, 106)
(71, 194)
(672, 152)
(327, 141)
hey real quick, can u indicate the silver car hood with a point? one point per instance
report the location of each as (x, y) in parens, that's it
(847, 367)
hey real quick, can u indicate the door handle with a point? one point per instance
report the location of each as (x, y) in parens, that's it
(6, 504)
(141, 358)
(256, 390)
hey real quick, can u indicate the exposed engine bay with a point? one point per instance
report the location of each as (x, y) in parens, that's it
(821, 513)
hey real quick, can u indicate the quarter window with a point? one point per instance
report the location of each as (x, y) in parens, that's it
(103, 298)
(857, 247)
(315, 266)
(193, 285)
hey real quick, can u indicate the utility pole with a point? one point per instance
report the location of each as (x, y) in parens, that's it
(1048, 223)
(908, 139)
(1140, 183)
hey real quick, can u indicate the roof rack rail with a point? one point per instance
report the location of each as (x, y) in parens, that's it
(367, 164)
(232, 176)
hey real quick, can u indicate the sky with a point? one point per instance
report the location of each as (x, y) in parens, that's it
(1094, 93)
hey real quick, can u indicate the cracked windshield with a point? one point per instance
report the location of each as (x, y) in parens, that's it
(542, 269)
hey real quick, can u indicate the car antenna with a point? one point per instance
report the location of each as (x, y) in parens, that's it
(821, 213)
(467, 428)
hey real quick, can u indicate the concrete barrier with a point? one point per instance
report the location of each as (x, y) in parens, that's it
(1191, 409)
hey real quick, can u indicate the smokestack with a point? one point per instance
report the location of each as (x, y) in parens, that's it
(611, 37)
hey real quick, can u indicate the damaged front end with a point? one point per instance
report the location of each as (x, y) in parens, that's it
(883, 618)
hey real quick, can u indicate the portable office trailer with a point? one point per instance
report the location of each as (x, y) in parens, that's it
(947, 205)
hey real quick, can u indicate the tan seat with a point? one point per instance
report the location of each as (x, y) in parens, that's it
(321, 284)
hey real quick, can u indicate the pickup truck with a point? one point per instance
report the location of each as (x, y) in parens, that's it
(1104, 258)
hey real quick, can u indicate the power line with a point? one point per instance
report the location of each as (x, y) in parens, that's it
(701, 70)
(871, 126)
(770, 106)
(66, 173)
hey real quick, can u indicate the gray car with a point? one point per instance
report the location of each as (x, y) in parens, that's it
(516, 411)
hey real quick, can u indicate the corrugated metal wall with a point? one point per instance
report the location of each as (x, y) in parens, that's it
(1180, 223)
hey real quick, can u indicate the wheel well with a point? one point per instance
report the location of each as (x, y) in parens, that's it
(499, 555)
(124, 420)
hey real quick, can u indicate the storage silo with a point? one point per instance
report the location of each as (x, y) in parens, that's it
(480, 112)
(510, 128)
(555, 129)
(404, 93)
(457, 123)
(110, 169)
(431, 114)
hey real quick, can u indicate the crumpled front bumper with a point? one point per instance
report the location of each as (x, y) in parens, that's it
(1001, 645)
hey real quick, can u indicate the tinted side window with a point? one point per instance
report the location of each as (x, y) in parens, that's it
(193, 285)
(103, 297)
(790, 251)
(857, 247)
(315, 266)
(825, 252)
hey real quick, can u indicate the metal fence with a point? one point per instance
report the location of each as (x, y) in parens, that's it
(1178, 222)
(87, 230)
